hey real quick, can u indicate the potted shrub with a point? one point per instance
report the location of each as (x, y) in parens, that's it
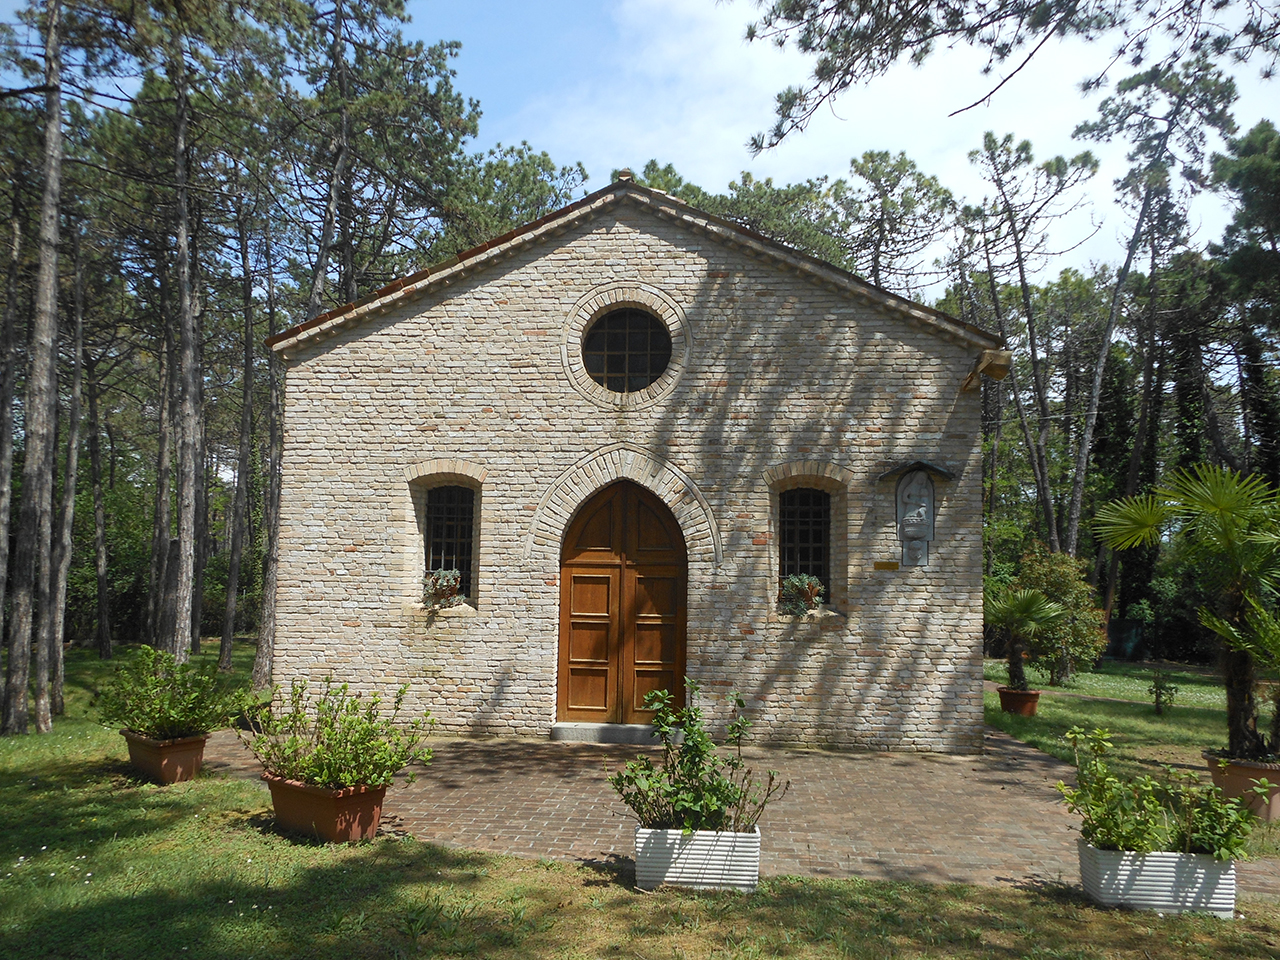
(442, 589)
(1229, 525)
(330, 759)
(165, 710)
(1169, 847)
(698, 812)
(799, 594)
(1021, 614)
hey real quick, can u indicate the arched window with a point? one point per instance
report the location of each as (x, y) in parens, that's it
(448, 530)
(804, 535)
(809, 526)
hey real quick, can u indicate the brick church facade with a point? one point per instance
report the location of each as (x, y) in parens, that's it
(623, 424)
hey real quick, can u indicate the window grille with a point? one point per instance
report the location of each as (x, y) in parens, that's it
(449, 520)
(626, 350)
(804, 535)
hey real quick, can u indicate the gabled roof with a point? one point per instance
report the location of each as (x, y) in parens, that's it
(662, 205)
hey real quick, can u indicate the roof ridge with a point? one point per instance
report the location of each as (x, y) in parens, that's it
(617, 191)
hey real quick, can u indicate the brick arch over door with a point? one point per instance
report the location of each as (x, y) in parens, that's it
(624, 461)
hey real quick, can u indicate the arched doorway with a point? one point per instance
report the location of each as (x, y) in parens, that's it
(623, 573)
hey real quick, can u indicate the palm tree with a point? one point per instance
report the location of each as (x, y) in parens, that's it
(1023, 613)
(1230, 523)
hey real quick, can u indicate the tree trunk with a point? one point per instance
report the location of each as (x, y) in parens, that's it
(179, 644)
(66, 513)
(245, 451)
(103, 633)
(1240, 677)
(341, 151)
(262, 660)
(1038, 468)
(1039, 389)
(202, 546)
(1140, 433)
(31, 569)
(8, 385)
(1261, 406)
(160, 530)
(1095, 388)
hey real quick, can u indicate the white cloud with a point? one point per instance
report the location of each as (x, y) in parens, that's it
(674, 80)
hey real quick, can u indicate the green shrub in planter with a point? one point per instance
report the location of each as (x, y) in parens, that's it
(1143, 815)
(799, 593)
(337, 739)
(154, 696)
(694, 788)
(442, 589)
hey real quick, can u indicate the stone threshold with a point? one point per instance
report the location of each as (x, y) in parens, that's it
(640, 734)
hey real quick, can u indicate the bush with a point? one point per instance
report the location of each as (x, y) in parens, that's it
(1183, 815)
(799, 593)
(337, 740)
(694, 789)
(155, 696)
(1080, 637)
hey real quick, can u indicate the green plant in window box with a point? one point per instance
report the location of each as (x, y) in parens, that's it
(799, 593)
(442, 589)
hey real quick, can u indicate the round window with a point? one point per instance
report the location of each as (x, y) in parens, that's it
(626, 350)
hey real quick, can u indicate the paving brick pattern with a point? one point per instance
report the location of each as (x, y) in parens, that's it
(987, 819)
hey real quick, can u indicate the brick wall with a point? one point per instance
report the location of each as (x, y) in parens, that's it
(774, 375)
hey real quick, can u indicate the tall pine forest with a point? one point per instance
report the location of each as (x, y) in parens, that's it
(181, 181)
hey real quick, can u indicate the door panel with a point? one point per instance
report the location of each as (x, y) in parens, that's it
(622, 607)
(588, 660)
(597, 532)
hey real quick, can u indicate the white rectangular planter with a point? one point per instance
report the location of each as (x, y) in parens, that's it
(702, 860)
(1168, 882)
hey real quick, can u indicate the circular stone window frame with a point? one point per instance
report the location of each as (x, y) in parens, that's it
(617, 296)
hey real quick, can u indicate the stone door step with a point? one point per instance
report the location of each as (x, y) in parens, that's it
(635, 733)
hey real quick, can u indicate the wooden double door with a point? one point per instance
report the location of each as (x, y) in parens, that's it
(623, 572)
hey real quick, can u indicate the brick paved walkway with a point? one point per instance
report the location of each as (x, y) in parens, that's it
(987, 820)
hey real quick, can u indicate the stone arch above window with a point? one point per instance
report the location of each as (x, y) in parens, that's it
(809, 473)
(445, 471)
(624, 461)
(606, 299)
(833, 481)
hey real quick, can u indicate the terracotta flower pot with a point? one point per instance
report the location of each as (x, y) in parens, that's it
(165, 761)
(335, 816)
(1238, 777)
(1021, 702)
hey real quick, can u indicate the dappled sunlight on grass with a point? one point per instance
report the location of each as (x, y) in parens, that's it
(1197, 687)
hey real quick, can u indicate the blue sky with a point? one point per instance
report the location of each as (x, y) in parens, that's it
(617, 82)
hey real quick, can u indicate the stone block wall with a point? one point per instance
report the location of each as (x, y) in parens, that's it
(776, 379)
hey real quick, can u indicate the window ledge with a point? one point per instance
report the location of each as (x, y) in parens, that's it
(825, 616)
(420, 611)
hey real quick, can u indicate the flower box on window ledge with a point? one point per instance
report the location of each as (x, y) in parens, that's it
(799, 595)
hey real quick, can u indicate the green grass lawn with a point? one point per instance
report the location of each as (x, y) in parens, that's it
(94, 863)
(1197, 686)
(1144, 742)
